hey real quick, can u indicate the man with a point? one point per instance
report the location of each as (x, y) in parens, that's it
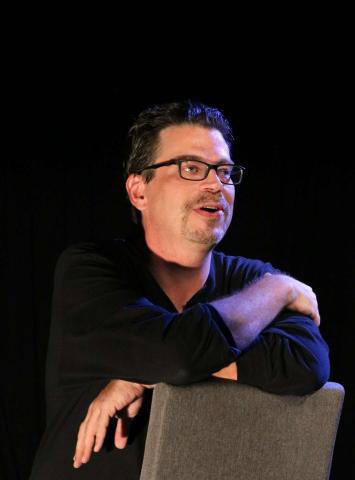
(163, 306)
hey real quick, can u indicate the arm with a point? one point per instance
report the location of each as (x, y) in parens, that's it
(249, 311)
(147, 344)
(250, 305)
(282, 349)
(118, 396)
(288, 357)
(100, 311)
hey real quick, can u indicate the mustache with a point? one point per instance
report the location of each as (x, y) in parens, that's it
(206, 198)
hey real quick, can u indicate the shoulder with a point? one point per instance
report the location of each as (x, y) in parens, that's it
(93, 254)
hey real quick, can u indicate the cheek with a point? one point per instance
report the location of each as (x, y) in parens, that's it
(163, 206)
(230, 200)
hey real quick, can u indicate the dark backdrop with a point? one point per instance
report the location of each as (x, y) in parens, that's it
(295, 209)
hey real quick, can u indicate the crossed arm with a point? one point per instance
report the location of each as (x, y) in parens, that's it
(246, 314)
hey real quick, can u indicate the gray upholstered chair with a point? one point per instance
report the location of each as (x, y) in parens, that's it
(221, 430)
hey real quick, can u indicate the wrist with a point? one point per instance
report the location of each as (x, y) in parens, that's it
(122, 383)
(284, 288)
(290, 291)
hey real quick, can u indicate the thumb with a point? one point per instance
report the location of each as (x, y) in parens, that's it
(134, 407)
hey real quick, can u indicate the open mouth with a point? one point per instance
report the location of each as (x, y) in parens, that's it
(210, 211)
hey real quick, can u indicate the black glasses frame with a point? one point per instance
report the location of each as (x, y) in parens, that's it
(210, 166)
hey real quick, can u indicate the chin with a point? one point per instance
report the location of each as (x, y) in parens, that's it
(202, 237)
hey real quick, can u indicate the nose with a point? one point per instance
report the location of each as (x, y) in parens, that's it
(211, 182)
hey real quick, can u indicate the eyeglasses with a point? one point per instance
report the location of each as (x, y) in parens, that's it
(197, 170)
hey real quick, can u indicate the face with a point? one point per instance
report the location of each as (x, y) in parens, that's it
(177, 210)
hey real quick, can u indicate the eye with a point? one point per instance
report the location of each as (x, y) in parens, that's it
(192, 168)
(225, 172)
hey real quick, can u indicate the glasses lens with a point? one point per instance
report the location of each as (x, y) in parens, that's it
(193, 170)
(230, 174)
(196, 170)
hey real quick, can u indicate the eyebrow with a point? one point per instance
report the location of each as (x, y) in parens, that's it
(221, 161)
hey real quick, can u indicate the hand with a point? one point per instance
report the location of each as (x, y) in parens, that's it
(230, 372)
(302, 299)
(118, 395)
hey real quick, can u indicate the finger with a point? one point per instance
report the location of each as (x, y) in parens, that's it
(121, 434)
(134, 407)
(101, 430)
(79, 446)
(88, 436)
(314, 314)
(88, 441)
(317, 318)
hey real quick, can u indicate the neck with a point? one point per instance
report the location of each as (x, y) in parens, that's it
(180, 272)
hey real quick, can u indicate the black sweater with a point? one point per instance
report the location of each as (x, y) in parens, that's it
(110, 319)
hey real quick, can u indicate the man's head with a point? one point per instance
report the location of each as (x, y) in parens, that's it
(144, 133)
(174, 209)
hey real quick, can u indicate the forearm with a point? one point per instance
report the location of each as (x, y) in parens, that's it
(108, 328)
(147, 344)
(288, 357)
(248, 312)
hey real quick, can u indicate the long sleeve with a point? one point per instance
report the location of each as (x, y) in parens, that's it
(110, 330)
(288, 357)
(109, 320)
(112, 327)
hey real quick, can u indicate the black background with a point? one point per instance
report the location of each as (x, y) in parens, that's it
(64, 185)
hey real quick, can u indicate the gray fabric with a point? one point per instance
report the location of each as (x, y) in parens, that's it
(222, 430)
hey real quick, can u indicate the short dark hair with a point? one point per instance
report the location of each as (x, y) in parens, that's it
(144, 133)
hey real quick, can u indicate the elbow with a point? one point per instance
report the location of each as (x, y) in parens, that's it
(179, 367)
(320, 373)
(310, 364)
(200, 350)
(181, 376)
(310, 382)
(313, 374)
(179, 372)
(187, 369)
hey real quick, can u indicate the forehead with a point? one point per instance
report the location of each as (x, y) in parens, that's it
(191, 140)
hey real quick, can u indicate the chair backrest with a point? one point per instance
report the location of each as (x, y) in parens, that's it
(224, 430)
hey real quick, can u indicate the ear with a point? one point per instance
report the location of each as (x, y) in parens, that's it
(135, 187)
